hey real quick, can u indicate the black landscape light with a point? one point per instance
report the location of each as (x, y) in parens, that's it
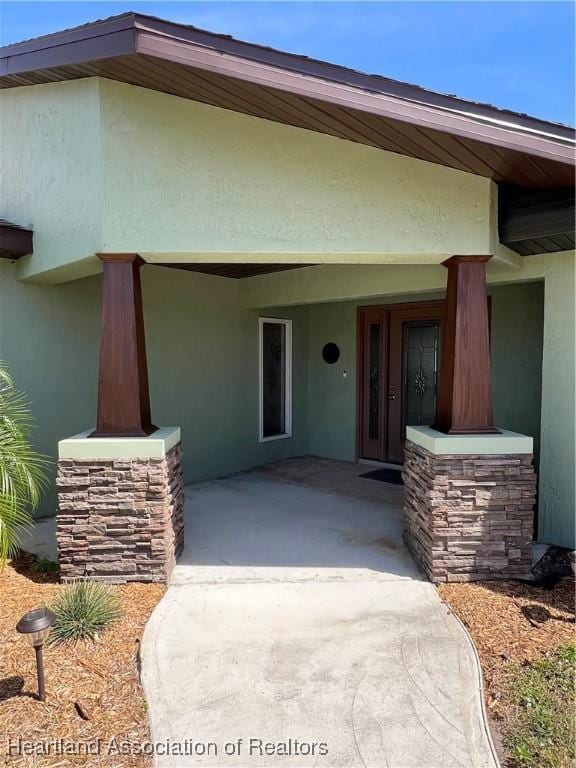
(36, 626)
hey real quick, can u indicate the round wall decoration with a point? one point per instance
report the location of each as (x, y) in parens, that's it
(331, 353)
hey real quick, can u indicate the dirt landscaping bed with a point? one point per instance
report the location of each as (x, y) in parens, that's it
(525, 639)
(94, 700)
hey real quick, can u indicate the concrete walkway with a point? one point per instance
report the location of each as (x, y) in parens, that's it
(298, 624)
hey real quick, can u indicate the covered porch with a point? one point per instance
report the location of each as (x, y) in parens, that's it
(469, 486)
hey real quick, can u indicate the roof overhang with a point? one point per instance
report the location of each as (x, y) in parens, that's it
(203, 66)
(536, 221)
(15, 241)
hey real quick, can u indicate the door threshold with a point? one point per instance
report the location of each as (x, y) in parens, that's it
(380, 464)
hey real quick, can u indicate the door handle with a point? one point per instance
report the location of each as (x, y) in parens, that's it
(391, 397)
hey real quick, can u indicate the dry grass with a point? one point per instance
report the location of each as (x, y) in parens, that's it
(101, 675)
(513, 625)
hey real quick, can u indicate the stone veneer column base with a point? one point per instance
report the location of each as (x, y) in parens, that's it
(120, 507)
(468, 516)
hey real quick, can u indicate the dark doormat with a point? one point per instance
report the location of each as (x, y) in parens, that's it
(385, 475)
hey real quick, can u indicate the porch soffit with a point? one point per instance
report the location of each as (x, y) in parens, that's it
(234, 271)
(269, 84)
(533, 222)
(244, 265)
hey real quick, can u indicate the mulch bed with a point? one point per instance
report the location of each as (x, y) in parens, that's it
(511, 623)
(93, 690)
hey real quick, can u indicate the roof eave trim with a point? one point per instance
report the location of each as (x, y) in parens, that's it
(132, 33)
(89, 48)
(160, 46)
(331, 72)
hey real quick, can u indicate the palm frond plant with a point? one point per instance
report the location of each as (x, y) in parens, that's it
(22, 470)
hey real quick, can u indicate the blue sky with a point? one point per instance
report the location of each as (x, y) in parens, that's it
(518, 55)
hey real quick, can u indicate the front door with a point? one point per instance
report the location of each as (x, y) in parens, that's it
(398, 360)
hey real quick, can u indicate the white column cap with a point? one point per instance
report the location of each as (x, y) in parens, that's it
(439, 443)
(154, 446)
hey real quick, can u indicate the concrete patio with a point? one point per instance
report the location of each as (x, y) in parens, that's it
(295, 614)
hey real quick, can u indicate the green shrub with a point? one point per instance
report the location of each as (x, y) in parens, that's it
(83, 609)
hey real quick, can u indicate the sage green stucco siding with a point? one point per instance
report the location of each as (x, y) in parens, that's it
(558, 467)
(203, 364)
(100, 166)
(202, 359)
(516, 344)
(332, 388)
(50, 172)
(49, 340)
(283, 189)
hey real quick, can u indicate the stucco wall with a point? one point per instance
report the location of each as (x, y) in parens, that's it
(558, 462)
(324, 283)
(203, 367)
(516, 345)
(222, 181)
(50, 170)
(94, 165)
(202, 359)
(48, 339)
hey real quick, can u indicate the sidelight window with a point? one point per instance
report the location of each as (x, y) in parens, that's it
(275, 378)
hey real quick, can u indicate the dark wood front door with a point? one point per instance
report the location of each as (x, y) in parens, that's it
(398, 360)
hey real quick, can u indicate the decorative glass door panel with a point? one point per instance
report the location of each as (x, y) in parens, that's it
(398, 359)
(374, 381)
(421, 346)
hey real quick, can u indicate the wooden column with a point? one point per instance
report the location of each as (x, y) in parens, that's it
(123, 397)
(465, 386)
